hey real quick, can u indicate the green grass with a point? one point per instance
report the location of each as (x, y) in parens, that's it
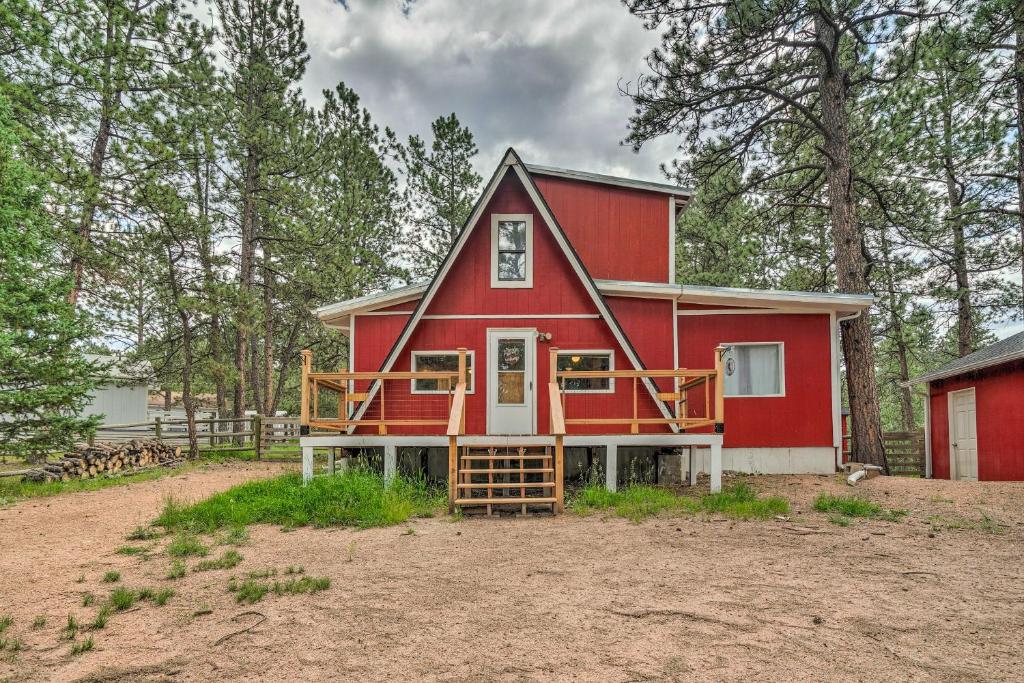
(130, 550)
(142, 533)
(636, 503)
(177, 570)
(985, 524)
(122, 598)
(228, 560)
(236, 536)
(163, 596)
(306, 584)
(112, 577)
(357, 497)
(87, 599)
(5, 622)
(12, 489)
(842, 508)
(39, 622)
(82, 646)
(262, 573)
(102, 617)
(249, 591)
(71, 628)
(186, 545)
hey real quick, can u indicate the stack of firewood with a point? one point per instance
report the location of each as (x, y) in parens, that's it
(106, 459)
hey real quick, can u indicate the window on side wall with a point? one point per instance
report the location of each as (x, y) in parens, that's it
(511, 250)
(754, 369)
(587, 361)
(439, 361)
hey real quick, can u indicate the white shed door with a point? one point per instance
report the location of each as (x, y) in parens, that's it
(963, 434)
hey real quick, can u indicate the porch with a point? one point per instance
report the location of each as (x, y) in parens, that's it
(349, 411)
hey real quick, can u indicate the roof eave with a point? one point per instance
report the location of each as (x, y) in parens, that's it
(973, 367)
(601, 179)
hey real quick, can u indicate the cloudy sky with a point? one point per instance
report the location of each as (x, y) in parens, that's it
(542, 76)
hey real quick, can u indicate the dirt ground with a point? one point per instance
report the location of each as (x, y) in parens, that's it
(522, 599)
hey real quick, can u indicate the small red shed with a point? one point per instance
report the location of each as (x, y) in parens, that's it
(974, 415)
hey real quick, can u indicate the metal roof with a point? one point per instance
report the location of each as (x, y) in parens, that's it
(650, 186)
(1003, 351)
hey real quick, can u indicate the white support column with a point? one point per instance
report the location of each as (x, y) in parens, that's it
(330, 460)
(390, 463)
(716, 467)
(611, 466)
(693, 465)
(307, 464)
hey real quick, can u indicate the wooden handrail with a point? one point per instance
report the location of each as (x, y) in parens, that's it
(418, 374)
(557, 416)
(455, 418)
(629, 374)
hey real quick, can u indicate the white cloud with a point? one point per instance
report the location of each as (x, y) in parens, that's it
(537, 75)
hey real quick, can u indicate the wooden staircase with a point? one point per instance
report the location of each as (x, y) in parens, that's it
(504, 476)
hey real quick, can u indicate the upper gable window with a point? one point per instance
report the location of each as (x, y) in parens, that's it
(511, 250)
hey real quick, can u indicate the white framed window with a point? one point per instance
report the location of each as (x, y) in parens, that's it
(755, 369)
(587, 360)
(512, 250)
(439, 361)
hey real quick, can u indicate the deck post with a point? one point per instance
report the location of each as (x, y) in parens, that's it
(462, 380)
(611, 466)
(330, 459)
(719, 390)
(716, 467)
(390, 463)
(307, 464)
(559, 474)
(307, 362)
(453, 453)
(552, 379)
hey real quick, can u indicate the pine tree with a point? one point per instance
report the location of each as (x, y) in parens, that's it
(45, 378)
(442, 187)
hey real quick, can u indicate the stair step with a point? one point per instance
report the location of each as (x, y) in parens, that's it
(504, 501)
(492, 458)
(516, 485)
(511, 470)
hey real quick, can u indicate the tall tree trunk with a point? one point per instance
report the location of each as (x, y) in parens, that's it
(851, 262)
(964, 307)
(188, 354)
(896, 307)
(268, 333)
(246, 255)
(1018, 80)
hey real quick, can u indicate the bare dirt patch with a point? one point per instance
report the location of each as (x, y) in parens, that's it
(518, 599)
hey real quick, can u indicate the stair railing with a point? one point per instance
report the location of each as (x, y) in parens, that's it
(456, 428)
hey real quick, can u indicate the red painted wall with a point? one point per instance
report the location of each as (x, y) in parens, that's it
(801, 418)
(466, 290)
(619, 233)
(999, 396)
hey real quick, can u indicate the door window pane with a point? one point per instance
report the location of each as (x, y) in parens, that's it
(753, 370)
(512, 354)
(511, 371)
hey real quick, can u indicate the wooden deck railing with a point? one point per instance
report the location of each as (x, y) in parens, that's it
(347, 397)
(708, 384)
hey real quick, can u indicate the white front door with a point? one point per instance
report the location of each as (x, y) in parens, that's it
(510, 381)
(963, 435)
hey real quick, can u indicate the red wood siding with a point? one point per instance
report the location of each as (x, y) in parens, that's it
(803, 417)
(648, 325)
(619, 233)
(999, 396)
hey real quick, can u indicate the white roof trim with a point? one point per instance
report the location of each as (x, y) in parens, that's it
(632, 183)
(980, 365)
(512, 160)
(370, 302)
(736, 296)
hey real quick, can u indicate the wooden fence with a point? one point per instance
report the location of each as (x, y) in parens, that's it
(268, 438)
(904, 452)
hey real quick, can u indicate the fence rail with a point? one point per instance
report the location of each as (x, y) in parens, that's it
(904, 451)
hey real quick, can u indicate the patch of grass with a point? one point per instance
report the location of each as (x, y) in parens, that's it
(177, 570)
(5, 622)
(262, 573)
(163, 596)
(145, 594)
(305, 584)
(102, 617)
(39, 622)
(13, 490)
(71, 628)
(236, 536)
(87, 599)
(640, 502)
(228, 560)
(357, 497)
(295, 570)
(112, 577)
(142, 533)
(122, 598)
(185, 545)
(985, 524)
(839, 520)
(130, 550)
(249, 591)
(13, 645)
(82, 646)
(855, 506)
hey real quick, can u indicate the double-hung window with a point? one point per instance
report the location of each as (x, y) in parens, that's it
(587, 361)
(439, 361)
(754, 369)
(512, 250)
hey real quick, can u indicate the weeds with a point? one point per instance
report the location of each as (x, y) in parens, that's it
(102, 617)
(5, 622)
(122, 599)
(142, 533)
(82, 646)
(842, 508)
(71, 628)
(640, 502)
(186, 545)
(163, 596)
(112, 577)
(145, 594)
(39, 622)
(295, 570)
(228, 560)
(306, 584)
(947, 522)
(249, 591)
(236, 536)
(130, 550)
(357, 497)
(177, 570)
(87, 599)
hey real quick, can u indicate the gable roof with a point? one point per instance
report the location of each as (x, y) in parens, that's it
(684, 193)
(512, 162)
(1004, 351)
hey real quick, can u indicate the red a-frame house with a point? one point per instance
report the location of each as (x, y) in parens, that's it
(554, 332)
